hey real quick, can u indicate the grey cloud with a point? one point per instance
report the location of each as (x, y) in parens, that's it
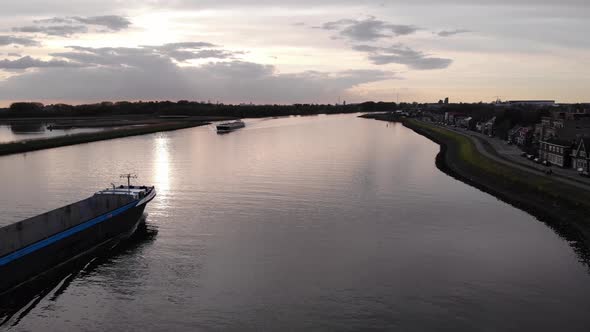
(187, 45)
(112, 22)
(141, 56)
(67, 26)
(14, 55)
(192, 50)
(336, 24)
(53, 30)
(365, 48)
(159, 78)
(40, 7)
(448, 33)
(237, 69)
(114, 57)
(180, 55)
(11, 40)
(368, 29)
(403, 55)
(54, 20)
(27, 62)
(214, 54)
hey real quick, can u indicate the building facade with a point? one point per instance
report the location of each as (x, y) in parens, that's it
(555, 151)
(580, 156)
(521, 136)
(537, 103)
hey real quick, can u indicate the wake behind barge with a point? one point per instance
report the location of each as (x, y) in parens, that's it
(33, 246)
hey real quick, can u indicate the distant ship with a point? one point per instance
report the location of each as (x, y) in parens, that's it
(229, 126)
(36, 245)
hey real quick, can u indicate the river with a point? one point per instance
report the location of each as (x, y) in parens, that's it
(304, 223)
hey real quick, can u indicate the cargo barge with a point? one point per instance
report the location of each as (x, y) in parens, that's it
(226, 127)
(39, 244)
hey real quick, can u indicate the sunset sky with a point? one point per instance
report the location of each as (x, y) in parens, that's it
(294, 51)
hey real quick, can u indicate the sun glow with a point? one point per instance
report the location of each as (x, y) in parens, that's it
(161, 165)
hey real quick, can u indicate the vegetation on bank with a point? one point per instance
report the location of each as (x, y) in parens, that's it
(562, 207)
(188, 108)
(54, 142)
(464, 157)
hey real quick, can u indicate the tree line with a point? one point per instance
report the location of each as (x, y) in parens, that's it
(186, 108)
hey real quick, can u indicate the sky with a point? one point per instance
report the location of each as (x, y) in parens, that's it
(294, 51)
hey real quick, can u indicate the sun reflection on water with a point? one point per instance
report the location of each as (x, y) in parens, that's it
(161, 168)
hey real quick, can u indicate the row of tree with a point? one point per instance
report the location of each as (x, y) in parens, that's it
(184, 107)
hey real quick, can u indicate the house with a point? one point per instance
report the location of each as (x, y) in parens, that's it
(433, 117)
(556, 151)
(548, 127)
(563, 125)
(453, 117)
(512, 133)
(523, 136)
(479, 127)
(487, 128)
(464, 122)
(581, 155)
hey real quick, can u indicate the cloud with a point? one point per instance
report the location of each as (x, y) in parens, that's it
(11, 40)
(53, 30)
(67, 26)
(122, 57)
(403, 55)
(369, 29)
(448, 33)
(27, 62)
(111, 22)
(133, 74)
(192, 50)
(127, 56)
(41, 7)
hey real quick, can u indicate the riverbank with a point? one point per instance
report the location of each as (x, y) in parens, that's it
(561, 206)
(54, 142)
(390, 117)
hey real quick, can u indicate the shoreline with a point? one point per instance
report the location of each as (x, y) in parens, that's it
(60, 141)
(560, 206)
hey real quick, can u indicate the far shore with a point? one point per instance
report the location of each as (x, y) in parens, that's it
(561, 206)
(126, 131)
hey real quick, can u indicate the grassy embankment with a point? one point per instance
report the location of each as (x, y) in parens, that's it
(54, 142)
(563, 207)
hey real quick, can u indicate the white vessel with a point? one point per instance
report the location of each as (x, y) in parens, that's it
(229, 126)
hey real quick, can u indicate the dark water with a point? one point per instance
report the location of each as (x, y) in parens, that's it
(25, 131)
(319, 223)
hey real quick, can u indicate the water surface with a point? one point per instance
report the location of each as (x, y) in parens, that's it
(303, 223)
